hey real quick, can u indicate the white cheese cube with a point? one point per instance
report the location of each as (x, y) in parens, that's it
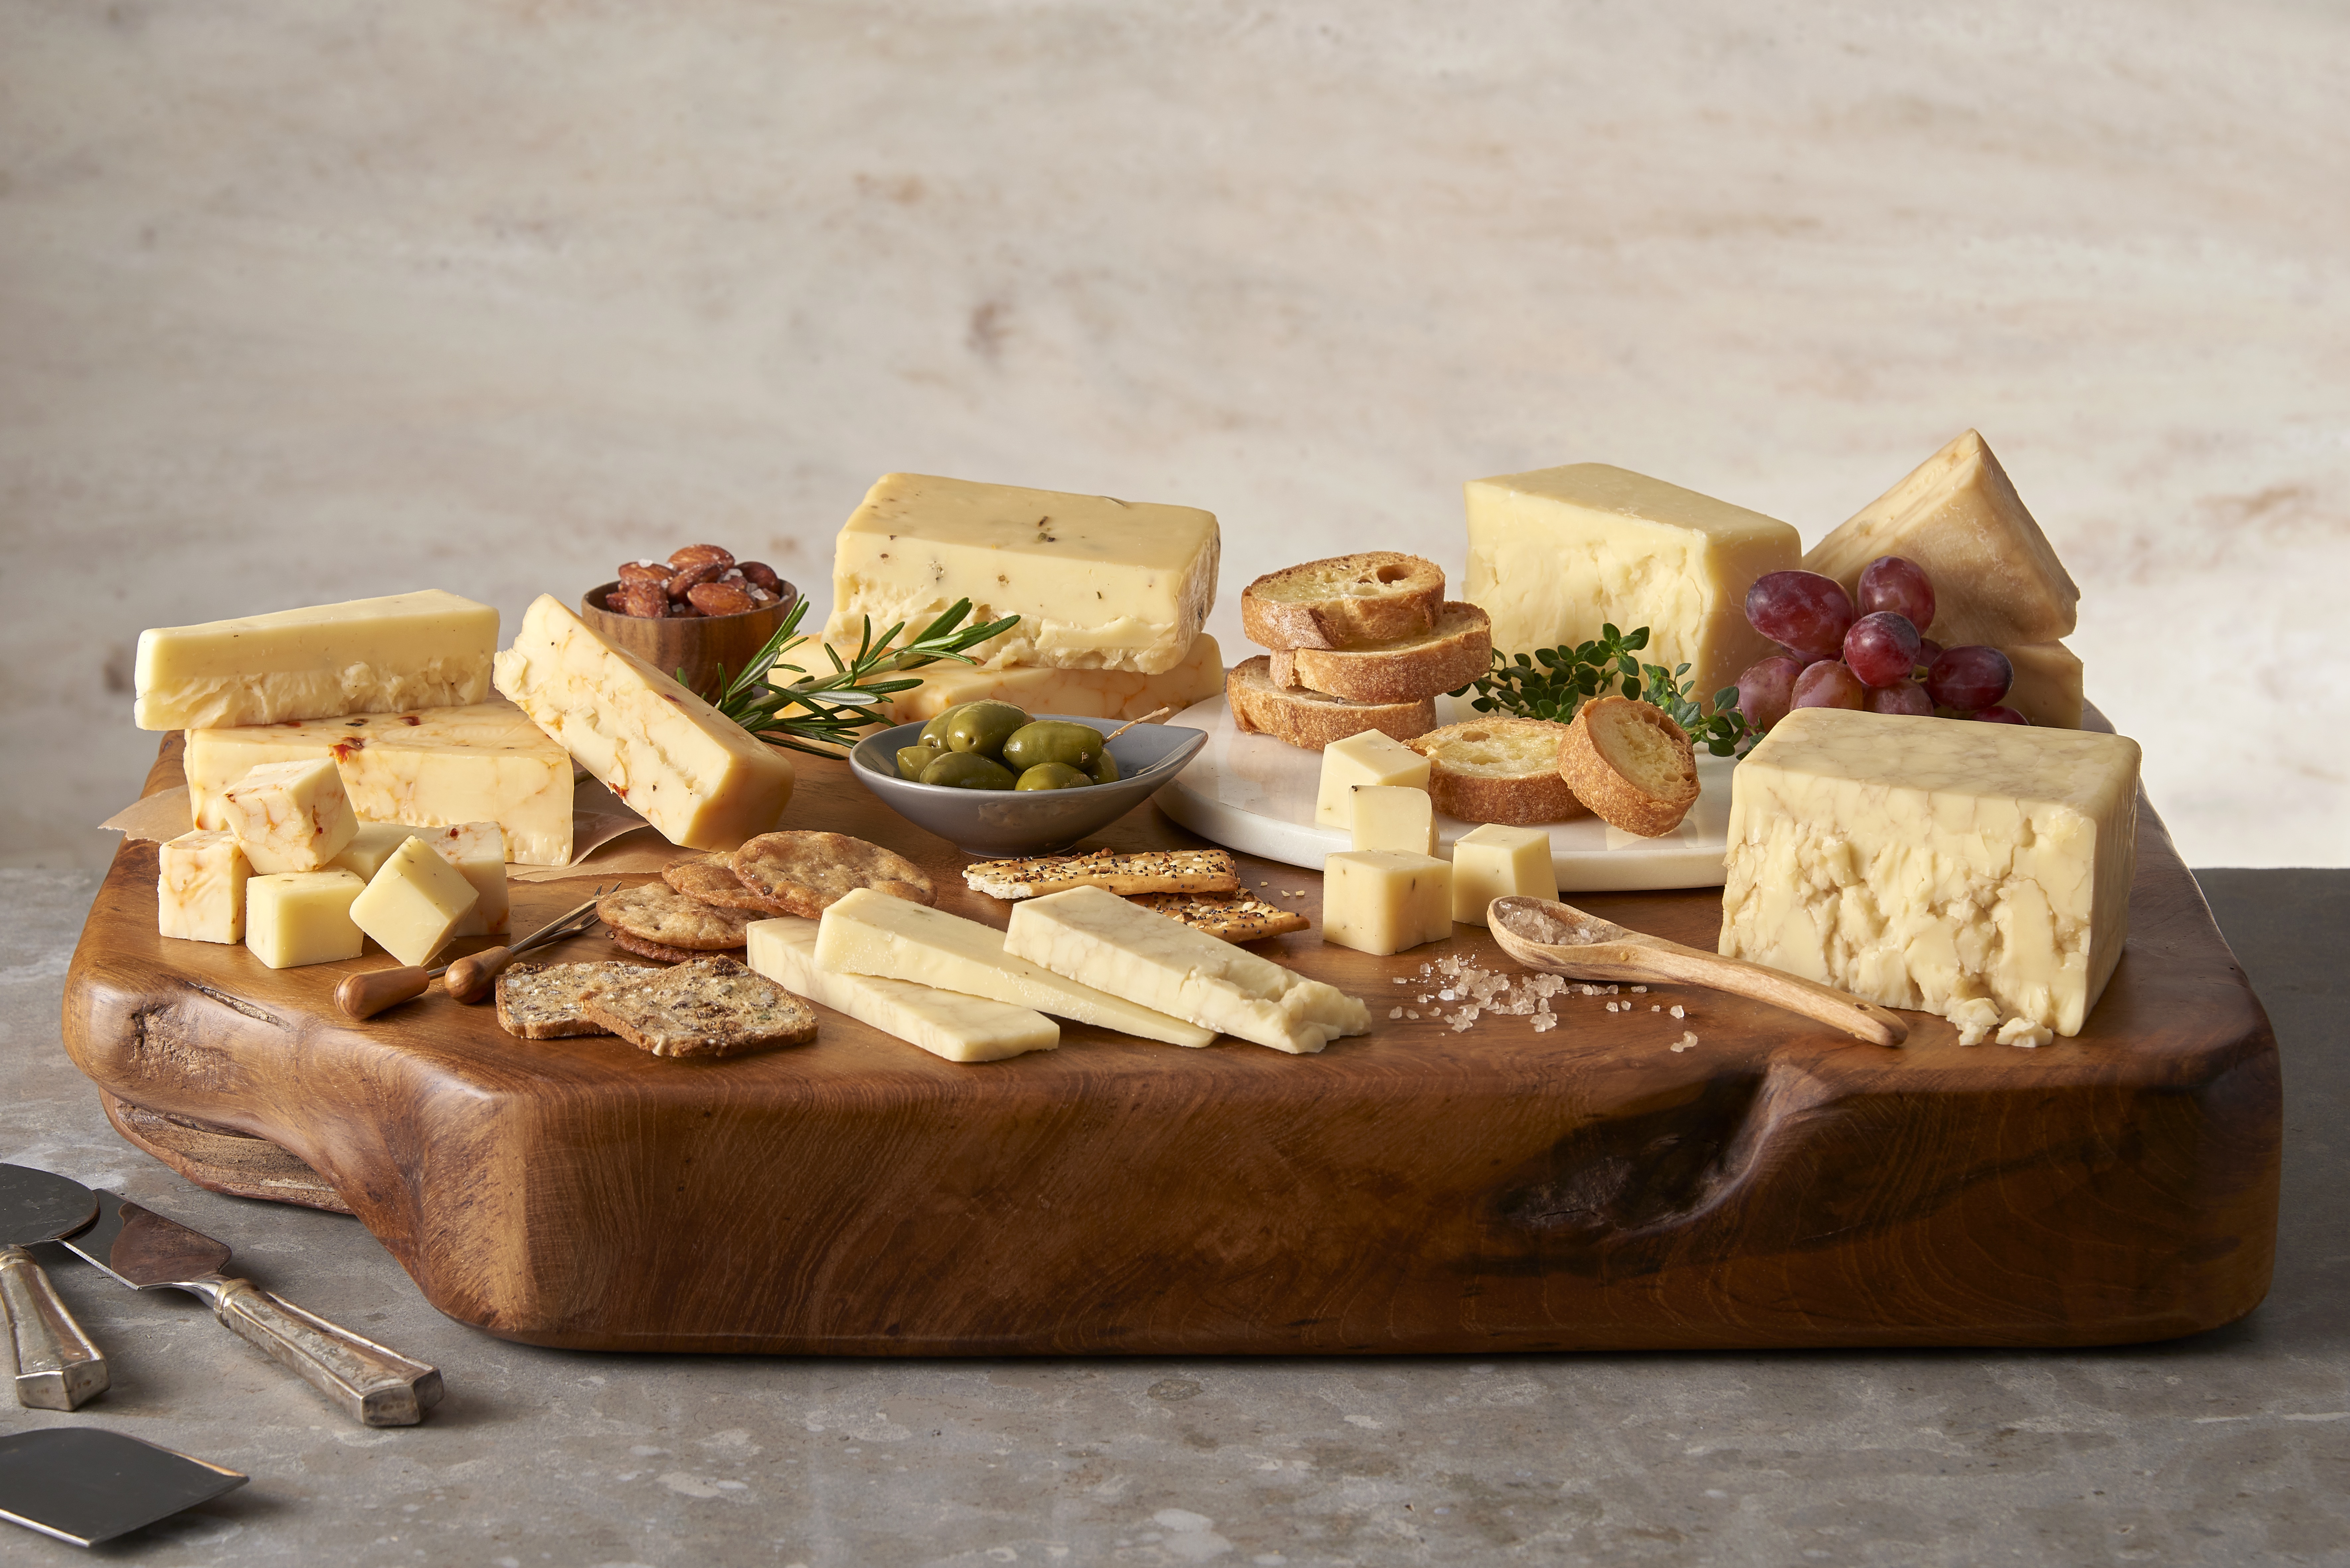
(413, 905)
(1081, 693)
(1095, 937)
(1497, 861)
(1393, 816)
(290, 816)
(372, 845)
(294, 917)
(478, 851)
(200, 887)
(1381, 901)
(1370, 758)
(949, 1025)
(1933, 863)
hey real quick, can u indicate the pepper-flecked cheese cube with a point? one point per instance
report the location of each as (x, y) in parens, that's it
(1369, 758)
(1382, 901)
(1393, 816)
(414, 904)
(946, 1024)
(294, 917)
(200, 887)
(1497, 861)
(478, 851)
(290, 816)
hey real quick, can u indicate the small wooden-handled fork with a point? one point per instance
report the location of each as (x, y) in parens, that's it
(470, 978)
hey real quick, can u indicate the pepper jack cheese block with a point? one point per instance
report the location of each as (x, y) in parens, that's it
(679, 762)
(1381, 901)
(1371, 758)
(946, 1024)
(294, 917)
(1393, 816)
(200, 887)
(1925, 863)
(872, 933)
(414, 904)
(289, 817)
(427, 649)
(478, 851)
(1100, 940)
(1097, 582)
(1497, 861)
(1081, 693)
(434, 767)
(1558, 554)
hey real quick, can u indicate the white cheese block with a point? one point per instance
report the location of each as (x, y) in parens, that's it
(1392, 816)
(294, 917)
(434, 767)
(1099, 938)
(1081, 693)
(289, 817)
(958, 1027)
(200, 887)
(478, 851)
(1381, 901)
(872, 933)
(427, 649)
(1369, 758)
(1097, 582)
(1926, 863)
(1497, 861)
(414, 904)
(679, 762)
(1558, 554)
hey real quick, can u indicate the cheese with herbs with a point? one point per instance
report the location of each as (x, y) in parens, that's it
(426, 649)
(1080, 693)
(200, 887)
(949, 1024)
(1382, 901)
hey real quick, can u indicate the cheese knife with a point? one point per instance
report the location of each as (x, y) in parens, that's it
(141, 1248)
(58, 1367)
(470, 978)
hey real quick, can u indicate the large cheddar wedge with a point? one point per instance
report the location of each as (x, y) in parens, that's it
(427, 649)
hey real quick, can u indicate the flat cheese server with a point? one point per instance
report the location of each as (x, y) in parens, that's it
(139, 1248)
(58, 1367)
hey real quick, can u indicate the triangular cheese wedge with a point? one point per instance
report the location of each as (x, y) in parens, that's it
(1997, 581)
(2047, 689)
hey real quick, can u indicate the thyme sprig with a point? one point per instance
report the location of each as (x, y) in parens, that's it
(1554, 682)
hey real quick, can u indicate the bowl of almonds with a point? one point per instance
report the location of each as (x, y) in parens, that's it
(700, 612)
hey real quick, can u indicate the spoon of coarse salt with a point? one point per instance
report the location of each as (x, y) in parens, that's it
(1563, 940)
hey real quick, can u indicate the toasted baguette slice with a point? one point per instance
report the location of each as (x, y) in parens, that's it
(1497, 770)
(1630, 763)
(1347, 601)
(1310, 719)
(1187, 871)
(1454, 651)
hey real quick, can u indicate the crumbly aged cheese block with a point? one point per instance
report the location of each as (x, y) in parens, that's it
(1996, 578)
(1081, 693)
(372, 845)
(1100, 939)
(1393, 816)
(200, 887)
(872, 933)
(1921, 863)
(946, 1024)
(1557, 554)
(1497, 861)
(294, 917)
(2047, 689)
(427, 649)
(679, 762)
(478, 851)
(1370, 758)
(1097, 582)
(1379, 901)
(430, 767)
(415, 904)
(289, 817)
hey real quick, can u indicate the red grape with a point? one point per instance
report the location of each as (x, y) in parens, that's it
(1892, 583)
(1970, 677)
(1929, 650)
(1767, 689)
(1828, 684)
(1906, 698)
(1807, 612)
(2002, 716)
(1882, 648)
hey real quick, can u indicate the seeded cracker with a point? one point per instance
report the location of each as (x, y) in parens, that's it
(644, 949)
(711, 879)
(544, 1000)
(806, 873)
(658, 913)
(710, 1007)
(1163, 871)
(1238, 918)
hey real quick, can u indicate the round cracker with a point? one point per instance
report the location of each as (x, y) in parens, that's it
(657, 912)
(644, 949)
(806, 873)
(712, 880)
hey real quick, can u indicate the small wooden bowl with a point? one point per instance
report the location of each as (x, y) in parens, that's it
(701, 646)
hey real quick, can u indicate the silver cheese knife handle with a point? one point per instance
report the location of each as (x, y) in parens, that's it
(376, 1385)
(58, 1367)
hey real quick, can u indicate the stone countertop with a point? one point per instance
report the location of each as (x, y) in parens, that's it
(2229, 1447)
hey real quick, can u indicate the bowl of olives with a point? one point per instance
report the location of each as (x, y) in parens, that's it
(993, 780)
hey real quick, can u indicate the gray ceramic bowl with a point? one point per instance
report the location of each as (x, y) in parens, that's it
(1008, 823)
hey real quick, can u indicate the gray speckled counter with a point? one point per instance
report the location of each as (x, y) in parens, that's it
(2231, 1447)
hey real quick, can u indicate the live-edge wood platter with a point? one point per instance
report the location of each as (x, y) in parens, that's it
(1420, 1189)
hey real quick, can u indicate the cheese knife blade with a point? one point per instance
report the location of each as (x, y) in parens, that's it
(57, 1367)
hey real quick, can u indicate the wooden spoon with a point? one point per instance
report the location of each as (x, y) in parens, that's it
(1562, 938)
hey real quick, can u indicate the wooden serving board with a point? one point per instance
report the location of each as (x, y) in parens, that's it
(1420, 1190)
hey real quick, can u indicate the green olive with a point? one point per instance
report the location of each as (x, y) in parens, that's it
(1051, 775)
(982, 727)
(912, 760)
(966, 770)
(1105, 768)
(1053, 740)
(934, 733)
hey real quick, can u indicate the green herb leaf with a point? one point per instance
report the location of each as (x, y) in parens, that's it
(822, 714)
(1555, 682)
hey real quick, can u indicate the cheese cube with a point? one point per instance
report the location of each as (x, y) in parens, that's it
(478, 851)
(1558, 554)
(679, 762)
(1497, 861)
(414, 904)
(1393, 816)
(1370, 758)
(372, 845)
(1928, 863)
(200, 887)
(872, 933)
(428, 650)
(294, 917)
(1097, 584)
(946, 1024)
(289, 817)
(434, 767)
(1095, 937)
(1081, 693)
(1381, 901)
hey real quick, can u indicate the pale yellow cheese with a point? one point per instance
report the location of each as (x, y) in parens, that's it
(426, 649)
(414, 904)
(294, 917)
(1369, 758)
(1081, 693)
(1558, 554)
(478, 851)
(200, 887)
(679, 762)
(432, 767)
(1097, 582)
(289, 817)
(1381, 901)
(2047, 689)
(1925, 863)
(372, 845)
(872, 933)
(949, 1025)
(1392, 816)
(1496, 861)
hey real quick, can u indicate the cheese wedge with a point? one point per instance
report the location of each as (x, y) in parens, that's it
(1100, 940)
(948, 1025)
(289, 817)
(872, 933)
(200, 887)
(2047, 689)
(1081, 693)
(679, 762)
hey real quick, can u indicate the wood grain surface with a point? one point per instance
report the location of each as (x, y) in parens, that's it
(1420, 1190)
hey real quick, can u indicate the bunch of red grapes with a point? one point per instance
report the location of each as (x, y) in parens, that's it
(1874, 657)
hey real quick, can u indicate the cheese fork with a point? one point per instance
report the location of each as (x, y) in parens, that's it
(470, 978)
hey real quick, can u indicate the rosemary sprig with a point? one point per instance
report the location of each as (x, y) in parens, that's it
(1552, 683)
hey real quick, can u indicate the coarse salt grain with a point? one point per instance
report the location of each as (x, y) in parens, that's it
(1678, 1010)
(1395, 1012)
